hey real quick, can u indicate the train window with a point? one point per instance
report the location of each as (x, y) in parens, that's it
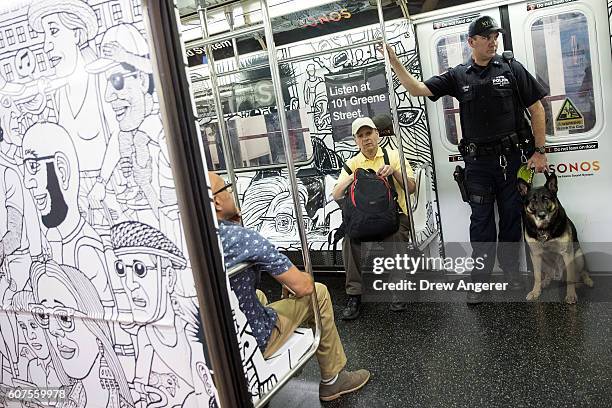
(562, 54)
(452, 50)
(257, 141)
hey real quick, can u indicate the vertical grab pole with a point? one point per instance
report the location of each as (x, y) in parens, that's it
(214, 86)
(280, 103)
(396, 127)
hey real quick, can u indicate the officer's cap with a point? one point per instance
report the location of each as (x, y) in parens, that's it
(361, 122)
(484, 26)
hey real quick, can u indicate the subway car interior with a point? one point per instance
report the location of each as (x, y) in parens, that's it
(162, 159)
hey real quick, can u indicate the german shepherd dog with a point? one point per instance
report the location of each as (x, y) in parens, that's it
(552, 239)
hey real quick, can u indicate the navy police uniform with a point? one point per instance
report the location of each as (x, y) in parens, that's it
(495, 135)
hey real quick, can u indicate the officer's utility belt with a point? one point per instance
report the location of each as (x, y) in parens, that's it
(506, 145)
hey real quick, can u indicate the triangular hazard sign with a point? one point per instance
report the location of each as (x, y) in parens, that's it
(568, 111)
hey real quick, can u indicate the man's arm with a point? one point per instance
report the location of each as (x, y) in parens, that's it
(340, 188)
(300, 283)
(413, 85)
(397, 175)
(538, 126)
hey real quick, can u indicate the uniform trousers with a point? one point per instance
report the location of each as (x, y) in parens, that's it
(485, 178)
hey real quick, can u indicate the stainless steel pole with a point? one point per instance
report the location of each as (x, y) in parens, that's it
(282, 116)
(396, 126)
(226, 145)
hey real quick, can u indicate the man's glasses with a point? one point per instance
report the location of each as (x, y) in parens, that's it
(31, 164)
(117, 80)
(227, 187)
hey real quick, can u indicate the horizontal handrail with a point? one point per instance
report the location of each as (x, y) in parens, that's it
(236, 269)
(227, 36)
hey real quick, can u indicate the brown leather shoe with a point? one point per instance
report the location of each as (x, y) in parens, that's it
(347, 381)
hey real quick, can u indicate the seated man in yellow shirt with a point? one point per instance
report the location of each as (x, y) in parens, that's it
(370, 156)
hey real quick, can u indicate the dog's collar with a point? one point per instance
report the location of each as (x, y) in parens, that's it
(543, 236)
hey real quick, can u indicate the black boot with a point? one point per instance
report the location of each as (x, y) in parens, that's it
(351, 311)
(516, 282)
(474, 298)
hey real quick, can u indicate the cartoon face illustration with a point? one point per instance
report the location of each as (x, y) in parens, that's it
(41, 179)
(51, 171)
(9, 121)
(268, 207)
(126, 90)
(33, 334)
(58, 313)
(144, 279)
(61, 45)
(280, 220)
(310, 70)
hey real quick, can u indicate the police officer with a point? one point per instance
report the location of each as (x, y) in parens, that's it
(492, 92)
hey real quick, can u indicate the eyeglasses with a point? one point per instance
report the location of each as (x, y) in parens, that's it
(285, 223)
(31, 164)
(227, 187)
(117, 80)
(139, 269)
(63, 315)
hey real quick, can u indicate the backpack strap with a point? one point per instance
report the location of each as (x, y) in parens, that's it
(387, 162)
(347, 168)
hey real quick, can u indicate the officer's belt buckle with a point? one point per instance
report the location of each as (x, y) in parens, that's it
(472, 149)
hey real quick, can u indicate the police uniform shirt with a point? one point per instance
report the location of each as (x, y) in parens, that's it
(485, 94)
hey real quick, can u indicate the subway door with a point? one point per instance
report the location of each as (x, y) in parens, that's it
(567, 48)
(443, 44)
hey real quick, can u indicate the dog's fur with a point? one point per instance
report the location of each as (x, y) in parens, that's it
(552, 239)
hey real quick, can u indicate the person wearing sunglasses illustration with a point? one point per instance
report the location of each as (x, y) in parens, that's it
(150, 267)
(139, 151)
(68, 308)
(52, 177)
(40, 368)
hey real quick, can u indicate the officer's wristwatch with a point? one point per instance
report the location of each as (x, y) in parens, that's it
(541, 150)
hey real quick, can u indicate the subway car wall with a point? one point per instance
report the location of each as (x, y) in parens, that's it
(264, 193)
(97, 294)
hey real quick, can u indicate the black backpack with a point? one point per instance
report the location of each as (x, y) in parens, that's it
(370, 211)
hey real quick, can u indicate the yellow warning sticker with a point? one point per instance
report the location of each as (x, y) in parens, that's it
(569, 118)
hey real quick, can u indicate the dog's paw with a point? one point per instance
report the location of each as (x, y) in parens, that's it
(588, 281)
(571, 298)
(534, 294)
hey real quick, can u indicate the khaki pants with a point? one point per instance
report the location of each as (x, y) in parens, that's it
(351, 255)
(294, 312)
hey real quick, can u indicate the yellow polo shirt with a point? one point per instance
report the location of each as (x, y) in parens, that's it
(360, 161)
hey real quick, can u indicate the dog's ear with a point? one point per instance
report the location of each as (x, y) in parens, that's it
(551, 182)
(523, 187)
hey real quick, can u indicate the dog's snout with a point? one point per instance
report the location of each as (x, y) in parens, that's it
(541, 215)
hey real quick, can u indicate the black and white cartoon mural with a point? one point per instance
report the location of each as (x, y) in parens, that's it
(96, 290)
(334, 83)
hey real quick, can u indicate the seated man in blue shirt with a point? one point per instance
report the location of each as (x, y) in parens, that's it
(274, 323)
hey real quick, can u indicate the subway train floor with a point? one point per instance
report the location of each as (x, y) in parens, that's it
(453, 355)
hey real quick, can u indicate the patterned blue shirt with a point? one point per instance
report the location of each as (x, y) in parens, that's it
(245, 245)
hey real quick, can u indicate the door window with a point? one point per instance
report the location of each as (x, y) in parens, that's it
(452, 50)
(562, 54)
